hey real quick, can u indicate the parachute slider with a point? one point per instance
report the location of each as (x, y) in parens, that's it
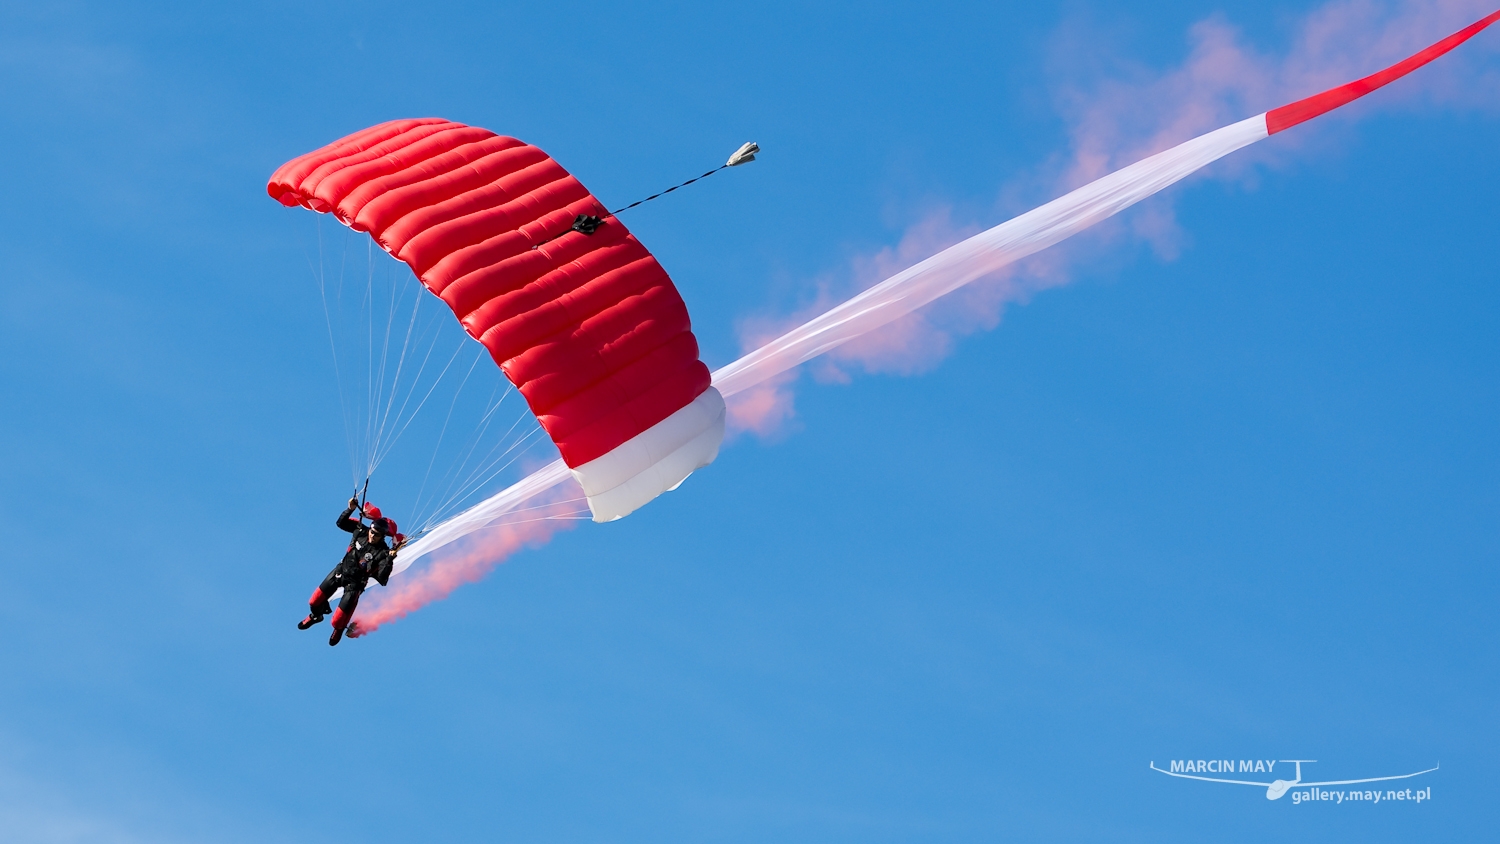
(743, 155)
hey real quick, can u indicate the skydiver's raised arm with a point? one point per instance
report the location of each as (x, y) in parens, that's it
(347, 524)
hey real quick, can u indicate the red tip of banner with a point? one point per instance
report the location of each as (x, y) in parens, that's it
(1304, 110)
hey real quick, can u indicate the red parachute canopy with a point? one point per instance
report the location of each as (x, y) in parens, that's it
(587, 326)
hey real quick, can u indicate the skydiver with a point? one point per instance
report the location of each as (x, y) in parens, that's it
(367, 556)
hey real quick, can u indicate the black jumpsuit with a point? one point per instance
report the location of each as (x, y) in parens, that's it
(362, 561)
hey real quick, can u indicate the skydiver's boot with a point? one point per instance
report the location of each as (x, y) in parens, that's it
(339, 622)
(312, 618)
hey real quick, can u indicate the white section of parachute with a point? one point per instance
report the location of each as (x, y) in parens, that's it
(654, 461)
(657, 460)
(889, 300)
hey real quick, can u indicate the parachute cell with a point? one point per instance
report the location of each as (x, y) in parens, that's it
(588, 327)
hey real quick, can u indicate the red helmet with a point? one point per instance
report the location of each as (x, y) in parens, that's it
(371, 511)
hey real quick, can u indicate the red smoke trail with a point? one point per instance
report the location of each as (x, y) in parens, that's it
(466, 561)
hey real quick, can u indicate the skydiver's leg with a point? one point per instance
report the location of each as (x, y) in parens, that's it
(345, 612)
(319, 600)
(317, 605)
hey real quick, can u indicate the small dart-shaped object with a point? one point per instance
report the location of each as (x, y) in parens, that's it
(743, 155)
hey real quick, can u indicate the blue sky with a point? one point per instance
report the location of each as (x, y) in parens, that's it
(1235, 499)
